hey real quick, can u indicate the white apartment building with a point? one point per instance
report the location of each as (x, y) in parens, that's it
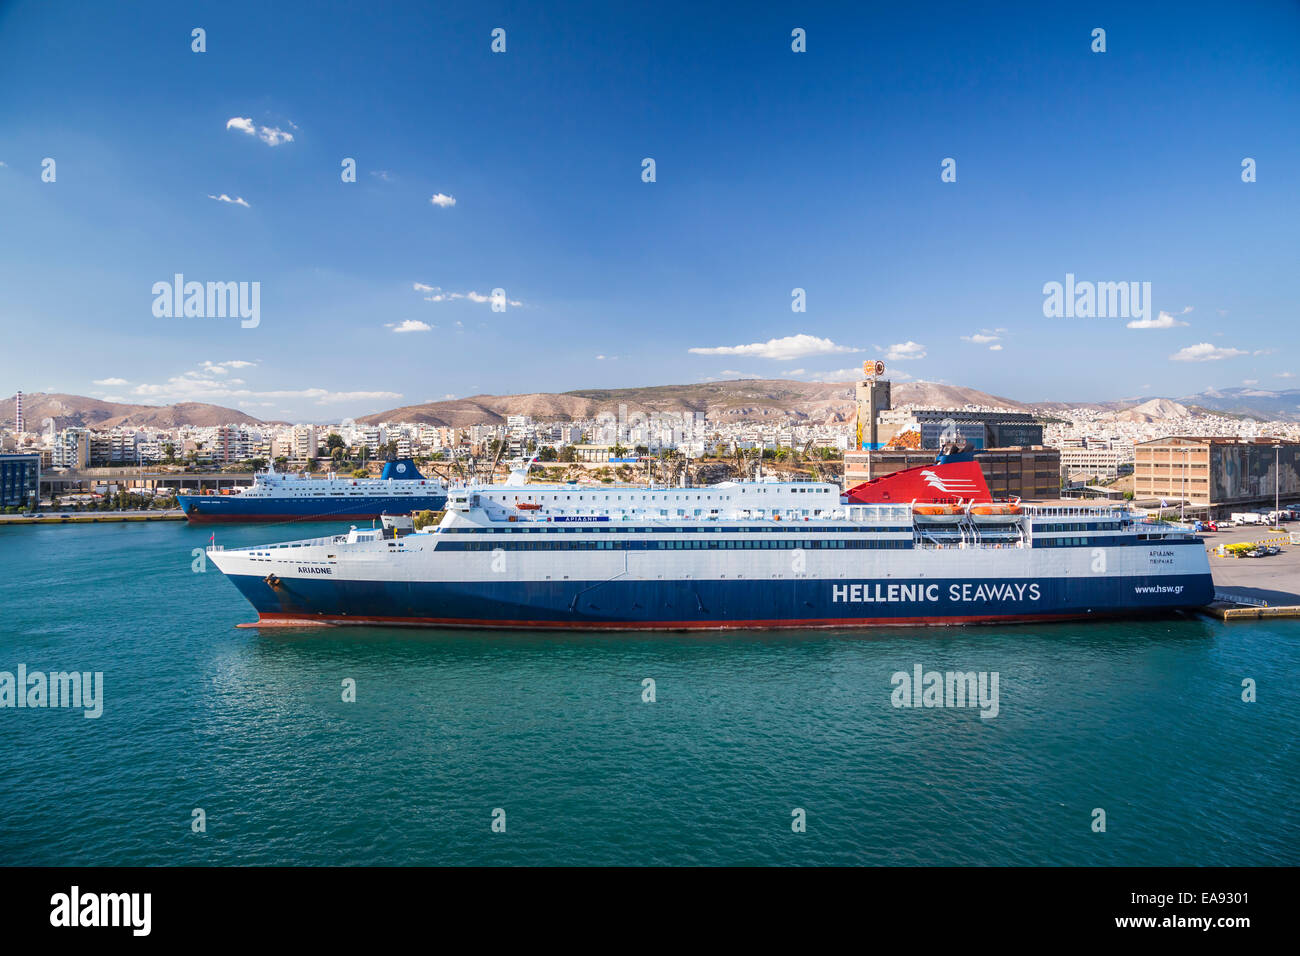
(1102, 462)
(72, 448)
(303, 442)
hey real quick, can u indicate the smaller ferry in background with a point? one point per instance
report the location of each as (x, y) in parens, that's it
(274, 496)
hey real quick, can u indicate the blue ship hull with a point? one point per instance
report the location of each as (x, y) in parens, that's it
(702, 604)
(201, 509)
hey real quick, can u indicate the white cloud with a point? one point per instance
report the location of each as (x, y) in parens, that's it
(382, 174)
(192, 386)
(270, 135)
(795, 371)
(980, 338)
(238, 200)
(274, 136)
(1162, 321)
(410, 325)
(470, 296)
(203, 384)
(1204, 352)
(1286, 374)
(903, 350)
(1250, 381)
(442, 200)
(111, 381)
(220, 368)
(783, 349)
(995, 348)
(421, 287)
(855, 374)
(3, 164)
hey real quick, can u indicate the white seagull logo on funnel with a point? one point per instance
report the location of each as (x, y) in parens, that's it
(952, 486)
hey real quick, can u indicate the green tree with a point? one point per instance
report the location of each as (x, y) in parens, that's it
(333, 441)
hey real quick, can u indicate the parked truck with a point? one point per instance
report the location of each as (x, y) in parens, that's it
(1248, 517)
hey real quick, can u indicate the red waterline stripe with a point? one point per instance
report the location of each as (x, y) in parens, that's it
(289, 619)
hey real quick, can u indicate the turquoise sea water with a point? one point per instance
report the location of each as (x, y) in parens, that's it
(1141, 719)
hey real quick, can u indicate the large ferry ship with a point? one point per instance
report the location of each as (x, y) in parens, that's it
(399, 490)
(923, 546)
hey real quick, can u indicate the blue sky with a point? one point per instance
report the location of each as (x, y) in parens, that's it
(775, 170)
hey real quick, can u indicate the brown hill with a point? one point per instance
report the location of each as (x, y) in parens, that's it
(730, 401)
(80, 411)
(1156, 410)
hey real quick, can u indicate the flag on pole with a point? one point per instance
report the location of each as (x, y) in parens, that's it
(1163, 503)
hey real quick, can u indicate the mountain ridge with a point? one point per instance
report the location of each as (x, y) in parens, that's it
(729, 401)
(734, 400)
(69, 411)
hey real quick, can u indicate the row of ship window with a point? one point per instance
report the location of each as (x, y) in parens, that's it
(643, 544)
(1077, 526)
(678, 544)
(1070, 542)
(587, 528)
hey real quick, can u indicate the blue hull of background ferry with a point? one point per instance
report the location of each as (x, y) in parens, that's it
(201, 509)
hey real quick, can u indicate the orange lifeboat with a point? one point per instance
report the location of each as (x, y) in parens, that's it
(528, 506)
(937, 514)
(995, 509)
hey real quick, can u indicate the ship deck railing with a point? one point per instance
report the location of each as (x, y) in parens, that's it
(305, 543)
(1081, 511)
(968, 545)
